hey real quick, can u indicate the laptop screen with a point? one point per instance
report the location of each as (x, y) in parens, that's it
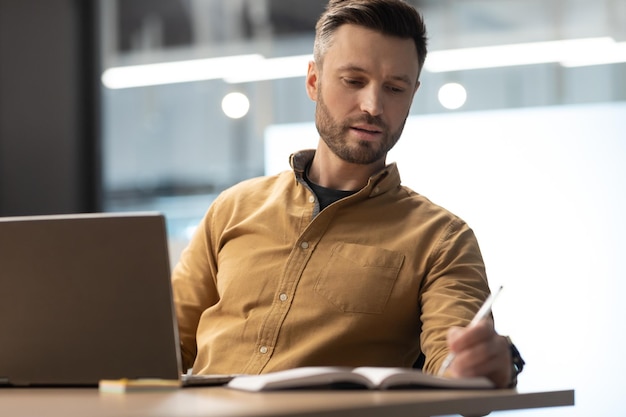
(84, 298)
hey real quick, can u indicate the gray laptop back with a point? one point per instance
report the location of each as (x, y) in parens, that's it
(84, 298)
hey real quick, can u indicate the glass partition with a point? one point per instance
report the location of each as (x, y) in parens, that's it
(168, 65)
(519, 127)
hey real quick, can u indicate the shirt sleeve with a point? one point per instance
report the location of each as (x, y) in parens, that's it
(194, 286)
(453, 291)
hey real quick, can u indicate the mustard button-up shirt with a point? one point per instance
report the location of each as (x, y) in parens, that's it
(269, 282)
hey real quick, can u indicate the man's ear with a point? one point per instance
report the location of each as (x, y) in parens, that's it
(312, 77)
(417, 86)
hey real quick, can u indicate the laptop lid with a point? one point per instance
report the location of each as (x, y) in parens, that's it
(85, 297)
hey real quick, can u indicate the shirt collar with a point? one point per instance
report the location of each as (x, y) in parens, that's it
(379, 183)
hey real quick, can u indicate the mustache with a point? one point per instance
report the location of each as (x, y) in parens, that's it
(366, 119)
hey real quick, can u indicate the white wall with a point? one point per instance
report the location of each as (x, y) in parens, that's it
(544, 190)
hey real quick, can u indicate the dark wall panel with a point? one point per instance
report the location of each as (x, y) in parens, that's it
(46, 111)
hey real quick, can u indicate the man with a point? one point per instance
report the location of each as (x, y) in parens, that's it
(335, 262)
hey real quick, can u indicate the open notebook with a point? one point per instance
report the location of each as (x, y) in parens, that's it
(87, 297)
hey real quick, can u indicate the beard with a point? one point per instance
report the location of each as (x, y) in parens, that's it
(363, 152)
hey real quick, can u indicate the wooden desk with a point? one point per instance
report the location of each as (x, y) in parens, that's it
(222, 402)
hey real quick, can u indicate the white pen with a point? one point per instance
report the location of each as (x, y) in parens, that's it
(483, 312)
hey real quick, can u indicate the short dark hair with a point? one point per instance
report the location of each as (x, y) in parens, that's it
(390, 17)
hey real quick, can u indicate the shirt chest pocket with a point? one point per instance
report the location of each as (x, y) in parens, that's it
(359, 278)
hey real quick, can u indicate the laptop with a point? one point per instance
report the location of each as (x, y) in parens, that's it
(87, 297)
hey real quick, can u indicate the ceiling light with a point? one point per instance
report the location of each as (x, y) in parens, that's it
(253, 67)
(178, 71)
(452, 96)
(272, 69)
(513, 54)
(606, 54)
(235, 105)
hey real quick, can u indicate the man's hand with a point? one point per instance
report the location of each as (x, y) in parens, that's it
(480, 351)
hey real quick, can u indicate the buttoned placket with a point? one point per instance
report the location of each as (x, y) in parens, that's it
(268, 334)
(299, 257)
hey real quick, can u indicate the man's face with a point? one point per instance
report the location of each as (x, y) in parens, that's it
(363, 92)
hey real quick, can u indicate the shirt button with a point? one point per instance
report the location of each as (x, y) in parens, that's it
(263, 349)
(311, 199)
(304, 245)
(283, 297)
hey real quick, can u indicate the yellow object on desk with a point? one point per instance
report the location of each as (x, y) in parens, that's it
(119, 386)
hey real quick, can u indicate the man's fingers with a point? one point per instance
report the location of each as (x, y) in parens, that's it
(491, 358)
(460, 339)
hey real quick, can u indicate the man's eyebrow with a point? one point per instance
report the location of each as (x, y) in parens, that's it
(355, 68)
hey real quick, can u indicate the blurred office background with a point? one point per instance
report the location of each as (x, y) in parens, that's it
(519, 127)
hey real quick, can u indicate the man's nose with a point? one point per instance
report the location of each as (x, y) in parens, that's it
(372, 100)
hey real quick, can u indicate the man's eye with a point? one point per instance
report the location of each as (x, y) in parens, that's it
(352, 82)
(395, 89)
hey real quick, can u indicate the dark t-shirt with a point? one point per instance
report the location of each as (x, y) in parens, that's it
(325, 196)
